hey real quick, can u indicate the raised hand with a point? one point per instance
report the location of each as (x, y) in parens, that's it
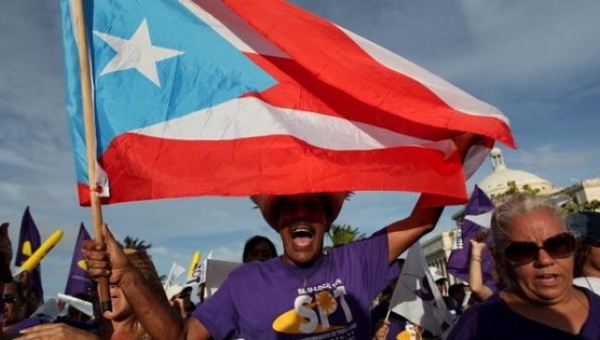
(464, 142)
(478, 242)
(106, 260)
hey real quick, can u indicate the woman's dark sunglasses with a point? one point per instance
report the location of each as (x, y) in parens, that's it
(558, 247)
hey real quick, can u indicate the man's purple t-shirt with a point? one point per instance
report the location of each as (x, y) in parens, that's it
(493, 319)
(329, 300)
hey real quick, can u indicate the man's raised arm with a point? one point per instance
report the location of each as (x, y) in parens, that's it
(426, 213)
(155, 314)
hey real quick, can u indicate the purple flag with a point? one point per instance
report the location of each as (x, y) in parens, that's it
(29, 241)
(475, 220)
(78, 280)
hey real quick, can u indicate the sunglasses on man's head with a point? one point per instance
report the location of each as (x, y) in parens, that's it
(558, 247)
(9, 298)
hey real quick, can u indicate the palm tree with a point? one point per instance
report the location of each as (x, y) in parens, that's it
(343, 234)
(135, 243)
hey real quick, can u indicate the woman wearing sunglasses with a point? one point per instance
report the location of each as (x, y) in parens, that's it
(534, 252)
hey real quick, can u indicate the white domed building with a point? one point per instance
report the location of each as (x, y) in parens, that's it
(497, 182)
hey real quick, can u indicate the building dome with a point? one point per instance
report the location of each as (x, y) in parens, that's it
(497, 182)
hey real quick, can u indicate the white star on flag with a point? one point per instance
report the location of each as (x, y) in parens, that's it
(136, 52)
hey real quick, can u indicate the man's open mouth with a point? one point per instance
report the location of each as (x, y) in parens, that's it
(302, 234)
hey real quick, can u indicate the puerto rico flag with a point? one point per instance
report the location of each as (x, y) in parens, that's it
(241, 97)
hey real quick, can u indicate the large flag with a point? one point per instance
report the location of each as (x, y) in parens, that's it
(416, 296)
(242, 97)
(29, 242)
(477, 217)
(79, 281)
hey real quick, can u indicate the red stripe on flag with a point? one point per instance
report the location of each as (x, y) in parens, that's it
(298, 89)
(142, 168)
(326, 61)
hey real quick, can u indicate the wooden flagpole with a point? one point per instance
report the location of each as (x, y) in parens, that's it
(90, 142)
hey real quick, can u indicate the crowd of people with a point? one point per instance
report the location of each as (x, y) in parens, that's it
(545, 264)
(312, 293)
(268, 297)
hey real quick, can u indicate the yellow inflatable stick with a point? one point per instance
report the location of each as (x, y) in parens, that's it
(194, 263)
(39, 254)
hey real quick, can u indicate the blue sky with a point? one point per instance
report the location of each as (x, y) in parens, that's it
(537, 61)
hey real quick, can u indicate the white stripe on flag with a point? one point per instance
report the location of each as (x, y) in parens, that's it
(251, 117)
